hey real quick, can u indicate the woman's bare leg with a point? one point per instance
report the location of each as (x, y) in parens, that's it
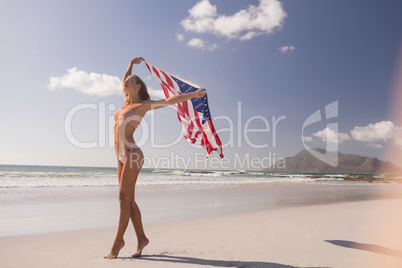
(142, 240)
(127, 179)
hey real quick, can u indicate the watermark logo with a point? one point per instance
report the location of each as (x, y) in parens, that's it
(330, 156)
(266, 134)
(255, 131)
(245, 131)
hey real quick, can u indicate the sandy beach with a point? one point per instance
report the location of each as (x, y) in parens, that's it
(264, 133)
(352, 231)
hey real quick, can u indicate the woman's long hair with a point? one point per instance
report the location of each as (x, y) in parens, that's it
(144, 90)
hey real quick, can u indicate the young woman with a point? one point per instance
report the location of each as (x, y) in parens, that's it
(130, 157)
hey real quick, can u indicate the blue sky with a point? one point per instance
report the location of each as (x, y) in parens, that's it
(286, 63)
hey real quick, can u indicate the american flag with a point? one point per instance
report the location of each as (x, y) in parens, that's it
(194, 114)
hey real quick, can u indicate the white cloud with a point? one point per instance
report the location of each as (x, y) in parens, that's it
(212, 47)
(398, 137)
(378, 132)
(372, 134)
(248, 36)
(93, 83)
(179, 37)
(155, 93)
(375, 146)
(202, 9)
(329, 135)
(243, 25)
(201, 44)
(197, 43)
(286, 49)
(307, 139)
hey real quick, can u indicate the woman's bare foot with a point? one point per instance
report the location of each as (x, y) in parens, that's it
(117, 246)
(140, 247)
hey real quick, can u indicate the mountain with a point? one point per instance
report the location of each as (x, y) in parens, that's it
(305, 162)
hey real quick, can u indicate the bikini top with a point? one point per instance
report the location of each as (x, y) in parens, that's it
(127, 115)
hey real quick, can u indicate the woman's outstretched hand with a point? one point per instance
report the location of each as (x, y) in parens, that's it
(200, 93)
(136, 60)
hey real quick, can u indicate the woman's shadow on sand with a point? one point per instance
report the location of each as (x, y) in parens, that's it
(367, 247)
(211, 263)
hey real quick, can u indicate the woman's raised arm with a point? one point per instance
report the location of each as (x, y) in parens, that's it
(153, 105)
(129, 70)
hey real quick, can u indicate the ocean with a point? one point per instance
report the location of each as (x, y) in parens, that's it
(15, 177)
(45, 199)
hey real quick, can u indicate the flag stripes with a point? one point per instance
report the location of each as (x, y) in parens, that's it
(193, 114)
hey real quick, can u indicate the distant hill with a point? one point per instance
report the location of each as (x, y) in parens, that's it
(305, 162)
